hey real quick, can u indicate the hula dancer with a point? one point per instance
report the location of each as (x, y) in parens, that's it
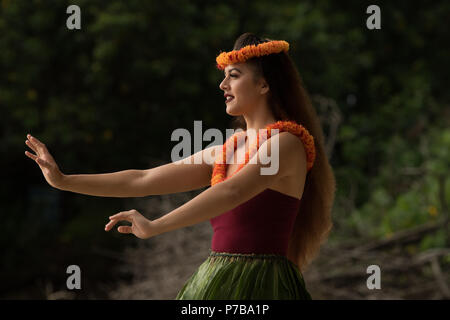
(267, 227)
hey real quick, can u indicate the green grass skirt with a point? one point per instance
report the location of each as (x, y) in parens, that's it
(236, 276)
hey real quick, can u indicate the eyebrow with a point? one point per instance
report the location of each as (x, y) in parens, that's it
(234, 69)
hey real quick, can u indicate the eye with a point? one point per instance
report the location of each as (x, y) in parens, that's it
(233, 76)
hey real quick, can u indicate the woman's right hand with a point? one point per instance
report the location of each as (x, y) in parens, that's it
(44, 159)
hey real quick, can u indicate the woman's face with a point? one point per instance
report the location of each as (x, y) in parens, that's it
(246, 94)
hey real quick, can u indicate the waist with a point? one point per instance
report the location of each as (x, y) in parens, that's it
(249, 242)
(242, 256)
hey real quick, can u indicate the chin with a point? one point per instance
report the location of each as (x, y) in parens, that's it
(234, 111)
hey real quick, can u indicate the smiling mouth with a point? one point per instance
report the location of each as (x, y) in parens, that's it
(228, 99)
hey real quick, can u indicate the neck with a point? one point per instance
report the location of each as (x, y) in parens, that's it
(259, 120)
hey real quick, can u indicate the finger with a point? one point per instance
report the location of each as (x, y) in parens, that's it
(121, 216)
(111, 224)
(39, 145)
(34, 139)
(124, 215)
(31, 146)
(124, 229)
(30, 155)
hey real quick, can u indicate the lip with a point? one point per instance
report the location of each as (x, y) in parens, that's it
(226, 101)
(226, 95)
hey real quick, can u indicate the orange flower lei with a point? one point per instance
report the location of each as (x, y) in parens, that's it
(220, 164)
(250, 51)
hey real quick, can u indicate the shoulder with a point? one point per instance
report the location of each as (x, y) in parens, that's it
(290, 139)
(288, 143)
(291, 152)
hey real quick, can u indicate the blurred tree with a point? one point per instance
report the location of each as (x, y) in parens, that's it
(107, 97)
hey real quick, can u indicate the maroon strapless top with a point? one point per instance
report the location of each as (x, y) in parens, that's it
(260, 225)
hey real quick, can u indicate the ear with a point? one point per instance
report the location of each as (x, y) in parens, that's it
(264, 87)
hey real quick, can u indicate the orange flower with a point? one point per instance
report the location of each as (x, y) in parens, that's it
(250, 51)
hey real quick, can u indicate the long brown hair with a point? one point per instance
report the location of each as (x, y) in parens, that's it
(288, 100)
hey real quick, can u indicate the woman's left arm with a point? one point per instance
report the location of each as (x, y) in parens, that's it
(242, 186)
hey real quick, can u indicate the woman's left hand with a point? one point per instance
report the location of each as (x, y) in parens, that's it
(141, 227)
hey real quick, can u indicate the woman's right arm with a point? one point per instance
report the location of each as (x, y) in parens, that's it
(169, 178)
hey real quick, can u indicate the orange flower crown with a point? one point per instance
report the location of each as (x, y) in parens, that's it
(250, 51)
(220, 164)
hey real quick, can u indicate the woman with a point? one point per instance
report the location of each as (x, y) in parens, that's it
(267, 227)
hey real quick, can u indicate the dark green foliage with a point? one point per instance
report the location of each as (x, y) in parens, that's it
(107, 98)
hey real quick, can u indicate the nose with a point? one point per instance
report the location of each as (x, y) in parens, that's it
(223, 84)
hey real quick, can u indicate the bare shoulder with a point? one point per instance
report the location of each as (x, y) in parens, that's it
(292, 141)
(288, 142)
(292, 154)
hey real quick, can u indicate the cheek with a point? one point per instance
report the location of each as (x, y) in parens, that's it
(246, 94)
(242, 90)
